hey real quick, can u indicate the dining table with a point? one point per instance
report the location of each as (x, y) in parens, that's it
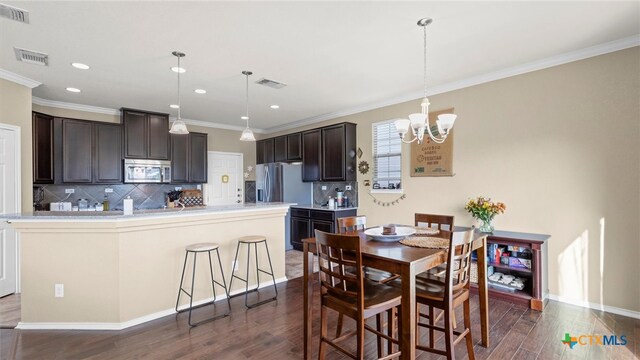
(406, 261)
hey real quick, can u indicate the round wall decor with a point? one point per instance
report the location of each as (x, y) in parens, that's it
(363, 167)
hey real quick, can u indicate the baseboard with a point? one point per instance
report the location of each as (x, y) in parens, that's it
(596, 306)
(126, 324)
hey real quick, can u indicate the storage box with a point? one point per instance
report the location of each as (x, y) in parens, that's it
(518, 262)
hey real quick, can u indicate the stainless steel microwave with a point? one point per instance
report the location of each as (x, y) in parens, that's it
(147, 171)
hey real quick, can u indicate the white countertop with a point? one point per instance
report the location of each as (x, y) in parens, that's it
(325, 208)
(138, 214)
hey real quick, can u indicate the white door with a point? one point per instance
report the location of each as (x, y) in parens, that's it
(9, 204)
(226, 182)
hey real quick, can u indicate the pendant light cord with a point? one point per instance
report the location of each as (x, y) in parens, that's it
(179, 69)
(424, 29)
(247, 100)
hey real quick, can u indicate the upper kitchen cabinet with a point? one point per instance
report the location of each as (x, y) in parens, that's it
(294, 147)
(265, 151)
(42, 128)
(107, 154)
(311, 147)
(146, 134)
(280, 149)
(338, 157)
(77, 145)
(189, 158)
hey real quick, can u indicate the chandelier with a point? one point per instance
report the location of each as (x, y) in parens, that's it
(419, 122)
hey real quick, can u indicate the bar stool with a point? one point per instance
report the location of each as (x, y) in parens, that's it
(253, 240)
(195, 249)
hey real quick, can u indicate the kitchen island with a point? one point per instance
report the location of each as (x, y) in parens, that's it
(119, 271)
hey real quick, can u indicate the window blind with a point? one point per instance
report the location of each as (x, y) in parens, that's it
(387, 168)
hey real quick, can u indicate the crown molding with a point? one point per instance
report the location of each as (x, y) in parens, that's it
(72, 106)
(215, 125)
(565, 58)
(18, 79)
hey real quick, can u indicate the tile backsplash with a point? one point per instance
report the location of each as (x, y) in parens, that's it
(249, 191)
(145, 196)
(321, 197)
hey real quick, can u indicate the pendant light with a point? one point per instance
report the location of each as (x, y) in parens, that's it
(179, 127)
(247, 133)
(419, 122)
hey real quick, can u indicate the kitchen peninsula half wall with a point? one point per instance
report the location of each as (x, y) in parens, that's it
(119, 271)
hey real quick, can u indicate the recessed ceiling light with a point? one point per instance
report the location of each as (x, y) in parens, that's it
(75, 90)
(80, 66)
(275, 106)
(244, 117)
(200, 91)
(178, 69)
(174, 106)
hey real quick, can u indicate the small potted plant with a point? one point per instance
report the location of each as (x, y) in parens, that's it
(485, 210)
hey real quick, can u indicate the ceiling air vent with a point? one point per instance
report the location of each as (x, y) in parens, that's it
(31, 57)
(271, 83)
(14, 13)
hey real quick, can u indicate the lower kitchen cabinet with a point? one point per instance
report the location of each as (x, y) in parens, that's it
(305, 221)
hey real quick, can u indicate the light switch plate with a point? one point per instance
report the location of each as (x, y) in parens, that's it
(324, 187)
(108, 190)
(59, 290)
(348, 187)
(178, 188)
(69, 191)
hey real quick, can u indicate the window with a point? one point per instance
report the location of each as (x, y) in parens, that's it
(387, 170)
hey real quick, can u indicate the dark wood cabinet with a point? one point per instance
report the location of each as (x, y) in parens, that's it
(158, 136)
(197, 157)
(294, 147)
(305, 221)
(311, 155)
(264, 151)
(189, 158)
(107, 154)
(146, 135)
(77, 144)
(338, 158)
(280, 149)
(42, 143)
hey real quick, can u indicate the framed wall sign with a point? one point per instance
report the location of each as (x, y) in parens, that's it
(430, 158)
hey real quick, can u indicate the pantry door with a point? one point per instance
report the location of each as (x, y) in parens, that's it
(9, 204)
(226, 180)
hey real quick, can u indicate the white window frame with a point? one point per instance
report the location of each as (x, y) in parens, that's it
(373, 153)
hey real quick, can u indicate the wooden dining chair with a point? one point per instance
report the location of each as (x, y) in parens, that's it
(447, 295)
(440, 222)
(351, 223)
(349, 293)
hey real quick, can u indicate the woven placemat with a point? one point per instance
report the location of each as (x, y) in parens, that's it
(426, 242)
(426, 231)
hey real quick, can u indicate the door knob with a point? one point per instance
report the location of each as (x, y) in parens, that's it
(239, 195)
(238, 201)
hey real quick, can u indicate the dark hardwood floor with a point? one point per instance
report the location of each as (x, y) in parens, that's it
(9, 311)
(274, 331)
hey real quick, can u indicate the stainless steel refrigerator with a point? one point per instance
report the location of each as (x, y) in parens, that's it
(280, 182)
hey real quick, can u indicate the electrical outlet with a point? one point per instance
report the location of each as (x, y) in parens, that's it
(108, 190)
(69, 191)
(59, 290)
(199, 187)
(178, 188)
(347, 187)
(324, 187)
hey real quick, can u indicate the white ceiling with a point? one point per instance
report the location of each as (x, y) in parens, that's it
(333, 56)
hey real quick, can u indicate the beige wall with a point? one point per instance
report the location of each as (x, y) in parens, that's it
(561, 147)
(15, 109)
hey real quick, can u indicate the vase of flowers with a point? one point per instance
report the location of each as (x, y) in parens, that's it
(484, 210)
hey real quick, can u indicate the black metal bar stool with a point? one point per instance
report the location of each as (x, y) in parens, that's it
(253, 240)
(195, 249)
